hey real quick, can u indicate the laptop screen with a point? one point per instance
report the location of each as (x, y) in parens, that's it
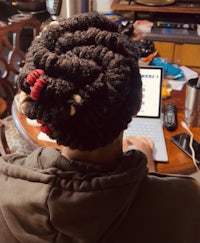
(151, 91)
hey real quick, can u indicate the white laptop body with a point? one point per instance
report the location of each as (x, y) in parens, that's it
(148, 121)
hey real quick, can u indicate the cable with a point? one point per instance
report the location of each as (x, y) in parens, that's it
(184, 125)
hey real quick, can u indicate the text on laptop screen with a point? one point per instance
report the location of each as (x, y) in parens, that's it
(151, 91)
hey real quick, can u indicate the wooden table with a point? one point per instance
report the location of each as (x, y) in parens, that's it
(178, 162)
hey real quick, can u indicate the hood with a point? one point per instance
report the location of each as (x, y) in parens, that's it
(89, 202)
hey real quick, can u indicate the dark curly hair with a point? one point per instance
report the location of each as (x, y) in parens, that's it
(92, 81)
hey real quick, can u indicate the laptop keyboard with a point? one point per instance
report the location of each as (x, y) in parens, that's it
(147, 130)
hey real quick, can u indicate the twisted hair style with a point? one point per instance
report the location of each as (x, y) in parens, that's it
(93, 80)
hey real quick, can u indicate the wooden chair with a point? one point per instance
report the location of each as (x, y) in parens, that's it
(3, 106)
(11, 141)
(13, 46)
(4, 148)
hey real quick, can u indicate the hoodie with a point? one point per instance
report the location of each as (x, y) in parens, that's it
(46, 198)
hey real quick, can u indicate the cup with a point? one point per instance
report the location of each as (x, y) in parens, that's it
(192, 103)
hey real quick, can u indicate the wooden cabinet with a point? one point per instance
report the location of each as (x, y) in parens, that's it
(165, 50)
(180, 53)
(177, 52)
(177, 7)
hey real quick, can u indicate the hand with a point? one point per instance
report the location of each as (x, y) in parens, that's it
(146, 145)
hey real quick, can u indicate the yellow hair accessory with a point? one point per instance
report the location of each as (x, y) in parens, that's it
(54, 23)
(72, 110)
(21, 101)
(77, 98)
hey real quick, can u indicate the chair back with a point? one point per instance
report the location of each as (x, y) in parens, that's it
(13, 46)
(4, 148)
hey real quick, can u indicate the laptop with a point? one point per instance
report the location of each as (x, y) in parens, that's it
(148, 121)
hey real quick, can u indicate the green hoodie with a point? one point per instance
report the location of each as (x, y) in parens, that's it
(46, 198)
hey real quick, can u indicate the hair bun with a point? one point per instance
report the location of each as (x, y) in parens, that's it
(82, 76)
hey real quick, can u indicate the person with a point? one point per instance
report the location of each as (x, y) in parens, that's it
(81, 81)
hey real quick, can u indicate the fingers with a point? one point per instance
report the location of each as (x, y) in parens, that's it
(138, 142)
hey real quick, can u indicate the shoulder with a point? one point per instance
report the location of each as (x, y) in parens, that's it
(35, 170)
(33, 160)
(165, 209)
(172, 179)
(177, 191)
(173, 182)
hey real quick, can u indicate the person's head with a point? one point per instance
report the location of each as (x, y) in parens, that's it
(82, 81)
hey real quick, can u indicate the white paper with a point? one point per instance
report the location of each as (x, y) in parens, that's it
(33, 122)
(44, 137)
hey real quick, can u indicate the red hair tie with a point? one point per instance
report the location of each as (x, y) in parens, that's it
(37, 88)
(46, 129)
(37, 83)
(40, 122)
(33, 76)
